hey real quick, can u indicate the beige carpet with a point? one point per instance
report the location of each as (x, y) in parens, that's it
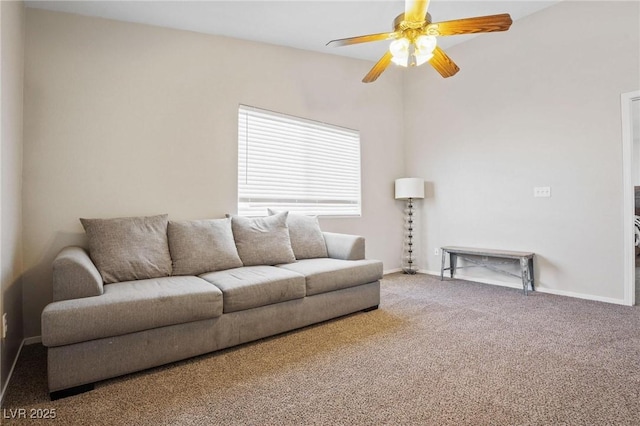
(435, 353)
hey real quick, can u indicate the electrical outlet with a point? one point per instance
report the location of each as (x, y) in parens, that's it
(436, 252)
(542, 191)
(4, 326)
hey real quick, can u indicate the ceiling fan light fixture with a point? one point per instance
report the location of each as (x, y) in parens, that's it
(405, 52)
(424, 46)
(400, 51)
(421, 59)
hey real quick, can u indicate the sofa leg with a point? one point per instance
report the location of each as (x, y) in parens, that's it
(71, 391)
(371, 308)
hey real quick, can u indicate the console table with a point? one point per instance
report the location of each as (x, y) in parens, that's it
(511, 257)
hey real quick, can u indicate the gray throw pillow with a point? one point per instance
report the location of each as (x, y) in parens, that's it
(129, 248)
(263, 240)
(307, 240)
(199, 246)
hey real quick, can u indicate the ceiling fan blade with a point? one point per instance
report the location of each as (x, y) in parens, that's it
(443, 63)
(481, 24)
(362, 39)
(415, 10)
(378, 68)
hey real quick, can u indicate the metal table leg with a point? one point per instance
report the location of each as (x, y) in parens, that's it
(524, 272)
(453, 260)
(531, 278)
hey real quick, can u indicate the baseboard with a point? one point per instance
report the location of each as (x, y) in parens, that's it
(13, 366)
(32, 340)
(25, 342)
(581, 296)
(476, 279)
(538, 288)
(393, 271)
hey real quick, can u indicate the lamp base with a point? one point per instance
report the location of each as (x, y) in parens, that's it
(409, 271)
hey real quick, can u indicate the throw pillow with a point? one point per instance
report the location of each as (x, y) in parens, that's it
(129, 248)
(263, 240)
(307, 240)
(200, 246)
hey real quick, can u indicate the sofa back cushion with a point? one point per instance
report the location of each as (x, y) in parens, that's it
(199, 246)
(129, 248)
(263, 240)
(306, 236)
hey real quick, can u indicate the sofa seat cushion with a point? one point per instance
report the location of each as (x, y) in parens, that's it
(324, 275)
(255, 286)
(128, 307)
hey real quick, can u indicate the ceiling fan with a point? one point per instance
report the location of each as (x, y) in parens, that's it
(414, 38)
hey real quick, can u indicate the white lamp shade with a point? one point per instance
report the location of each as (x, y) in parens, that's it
(409, 188)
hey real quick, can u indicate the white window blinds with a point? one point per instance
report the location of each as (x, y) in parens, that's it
(289, 163)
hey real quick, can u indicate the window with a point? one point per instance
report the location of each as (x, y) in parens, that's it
(289, 163)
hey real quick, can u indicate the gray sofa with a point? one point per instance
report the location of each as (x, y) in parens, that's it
(119, 310)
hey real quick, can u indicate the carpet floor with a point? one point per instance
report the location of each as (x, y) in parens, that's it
(435, 353)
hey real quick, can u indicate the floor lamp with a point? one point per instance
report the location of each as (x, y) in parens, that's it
(409, 189)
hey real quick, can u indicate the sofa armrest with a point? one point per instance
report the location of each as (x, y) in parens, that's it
(75, 275)
(344, 246)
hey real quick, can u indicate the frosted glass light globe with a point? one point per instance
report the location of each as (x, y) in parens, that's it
(400, 51)
(424, 46)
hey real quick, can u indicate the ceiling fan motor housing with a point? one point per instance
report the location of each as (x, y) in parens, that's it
(410, 29)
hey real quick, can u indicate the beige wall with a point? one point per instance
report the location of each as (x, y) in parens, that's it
(536, 106)
(124, 119)
(12, 35)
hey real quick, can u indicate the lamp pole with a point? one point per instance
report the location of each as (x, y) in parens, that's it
(409, 270)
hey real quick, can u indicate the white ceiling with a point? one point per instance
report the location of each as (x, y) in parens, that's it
(303, 24)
